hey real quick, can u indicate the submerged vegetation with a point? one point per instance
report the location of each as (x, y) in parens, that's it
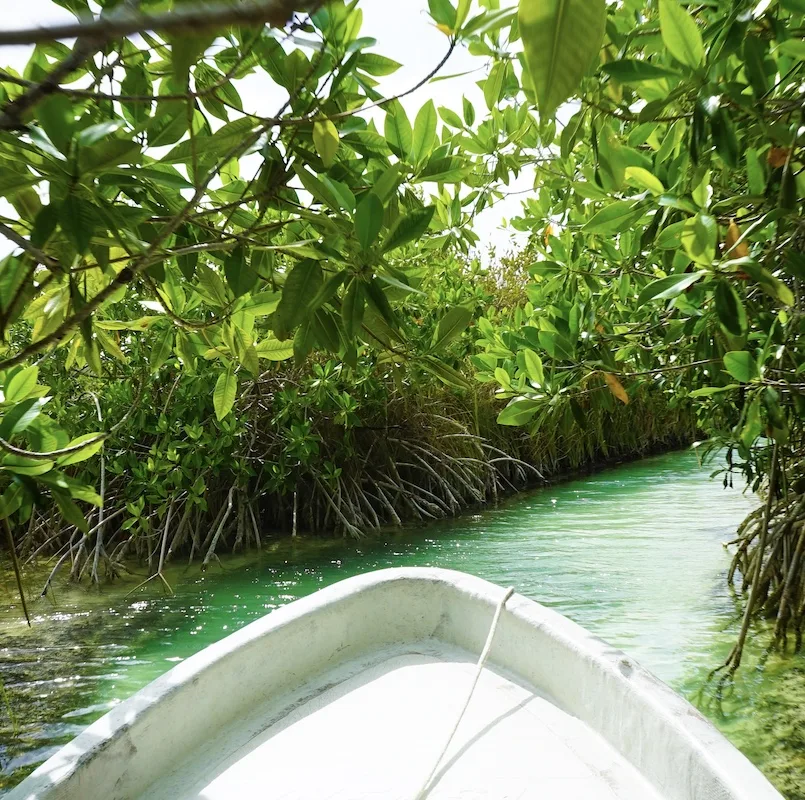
(221, 316)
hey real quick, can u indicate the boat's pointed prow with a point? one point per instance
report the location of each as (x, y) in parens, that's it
(353, 692)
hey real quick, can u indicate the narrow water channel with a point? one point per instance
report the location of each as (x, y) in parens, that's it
(633, 553)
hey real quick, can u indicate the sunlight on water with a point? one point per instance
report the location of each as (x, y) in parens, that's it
(634, 554)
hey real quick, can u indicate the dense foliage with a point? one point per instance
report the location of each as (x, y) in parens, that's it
(168, 235)
(670, 237)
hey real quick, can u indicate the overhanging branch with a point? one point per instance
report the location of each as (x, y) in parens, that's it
(186, 19)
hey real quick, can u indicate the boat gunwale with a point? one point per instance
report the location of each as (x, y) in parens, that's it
(697, 738)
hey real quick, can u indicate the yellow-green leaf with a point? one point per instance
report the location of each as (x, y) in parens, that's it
(274, 349)
(20, 384)
(680, 34)
(741, 365)
(533, 366)
(642, 178)
(223, 396)
(699, 239)
(325, 138)
(94, 444)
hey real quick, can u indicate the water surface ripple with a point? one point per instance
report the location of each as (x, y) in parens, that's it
(633, 553)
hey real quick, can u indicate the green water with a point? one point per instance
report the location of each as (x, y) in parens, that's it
(633, 553)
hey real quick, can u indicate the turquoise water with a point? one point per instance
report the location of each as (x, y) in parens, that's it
(633, 553)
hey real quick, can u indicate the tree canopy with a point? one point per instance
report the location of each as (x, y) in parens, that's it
(149, 209)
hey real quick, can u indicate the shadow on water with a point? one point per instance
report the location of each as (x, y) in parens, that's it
(633, 553)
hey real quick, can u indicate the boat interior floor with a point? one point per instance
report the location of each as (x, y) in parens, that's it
(375, 729)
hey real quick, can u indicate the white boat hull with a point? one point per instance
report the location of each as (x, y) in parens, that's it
(351, 693)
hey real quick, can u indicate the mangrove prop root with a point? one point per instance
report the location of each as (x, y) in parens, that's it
(17, 573)
(405, 464)
(770, 557)
(734, 659)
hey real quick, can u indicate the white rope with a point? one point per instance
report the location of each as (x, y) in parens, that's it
(425, 787)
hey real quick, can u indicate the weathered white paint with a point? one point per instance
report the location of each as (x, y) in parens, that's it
(350, 692)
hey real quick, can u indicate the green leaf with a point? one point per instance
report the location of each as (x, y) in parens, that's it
(493, 86)
(239, 275)
(614, 218)
(11, 181)
(368, 220)
(245, 351)
(741, 365)
(326, 140)
(637, 176)
(377, 299)
(772, 286)
(162, 350)
(78, 491)
(375, 64)
(424, 135)
(274, 349)
(754, 424)
(96, 441)
(397, 130)
(450, 117)
(445, 373)
(94, 133)
(56, 115)
(755, 172)
(352, 307)
(666, 288)
(729, 308)
(631, 71)
(69, 510)
(518, 412)
(136, 82)
(680, 34)
(461, 12)
(223, 396)
(263, 304)
(557, 347)
(754, 54)
(469, 112)
(11, 500)
(533, 366)
(186, 51)
(702, 193)
(489, 21)
(318, 188)
(452, 169)
(327, 290)
(699, 239)
(670, 237)
(502, 377)
(210, 283)
(106, 155)
(709, 391)
(21, 416)
(78, 220)
(451, 326)
(20, 465)
(794, 48)
(397, 284)
(406, 229)
(561, 39)
(376, 331)
(20, 384)
(443, 12)
(300, 288)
